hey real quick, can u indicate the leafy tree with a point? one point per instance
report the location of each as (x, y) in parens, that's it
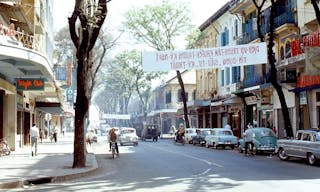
(160, 27)
(125, 77)
(84, 37)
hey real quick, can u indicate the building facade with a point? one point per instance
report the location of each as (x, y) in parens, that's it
(28, 91)
(243, 95)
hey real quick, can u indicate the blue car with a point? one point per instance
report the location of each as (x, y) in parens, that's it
(264, 140)
(199, 138)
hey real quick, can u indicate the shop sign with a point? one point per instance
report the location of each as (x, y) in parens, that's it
(218, 109)
(251, 100)
(303, 98)
(30, 84)
(308, 80)
(298, 46)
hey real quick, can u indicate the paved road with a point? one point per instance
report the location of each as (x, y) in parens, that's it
(163, 166)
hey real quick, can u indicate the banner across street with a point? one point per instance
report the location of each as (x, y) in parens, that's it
(218, 57)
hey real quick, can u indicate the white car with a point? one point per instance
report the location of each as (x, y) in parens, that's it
(189, 134)
(128, 135)
(221, 137)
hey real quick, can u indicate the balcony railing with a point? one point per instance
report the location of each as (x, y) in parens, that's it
(250, 34)
(252, 81)
(285, 18)
(18, 38)
(247, 37)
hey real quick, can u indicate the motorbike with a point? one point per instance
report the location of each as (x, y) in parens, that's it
(4, 147)
(179, 139)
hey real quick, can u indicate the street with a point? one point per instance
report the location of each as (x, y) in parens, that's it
(164, 166)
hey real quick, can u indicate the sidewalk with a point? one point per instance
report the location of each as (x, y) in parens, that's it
(53, 163)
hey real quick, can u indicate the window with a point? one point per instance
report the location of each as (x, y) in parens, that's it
(225, 37)
(318, 96)
(194, 95)
(222, 78)
(179, 95)
(235, 74)
(168, 97)
(228, 76)
(236, 28)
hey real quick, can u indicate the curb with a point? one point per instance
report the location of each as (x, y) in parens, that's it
(50, 179)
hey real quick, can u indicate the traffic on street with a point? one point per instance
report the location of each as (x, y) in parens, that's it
(164, 166)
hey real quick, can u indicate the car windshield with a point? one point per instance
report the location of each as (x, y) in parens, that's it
(206, 132)
(127, 131)
(265, 133)
(318, 136)
(225, 133)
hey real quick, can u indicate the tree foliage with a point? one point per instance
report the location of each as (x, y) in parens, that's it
(161, 27)
(125, 77)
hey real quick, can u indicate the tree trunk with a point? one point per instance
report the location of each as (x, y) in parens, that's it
(82, 104)
(273, 78)
(184, 100)
(84, 44)
(316, 9)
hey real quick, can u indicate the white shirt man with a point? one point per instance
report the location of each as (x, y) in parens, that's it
(227, 126)
(34, 134)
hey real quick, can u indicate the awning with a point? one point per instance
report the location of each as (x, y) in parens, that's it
(198, 103)
(48, 107)
(300, 89)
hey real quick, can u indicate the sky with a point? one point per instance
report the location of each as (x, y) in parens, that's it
(201, 10)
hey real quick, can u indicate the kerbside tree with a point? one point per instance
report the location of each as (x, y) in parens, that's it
(91, 15)
(271, 58)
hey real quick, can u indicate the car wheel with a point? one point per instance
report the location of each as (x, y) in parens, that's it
(282, 154)
(207, 145)
(311, 159)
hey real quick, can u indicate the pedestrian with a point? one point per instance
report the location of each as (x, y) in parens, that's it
(248, 134)
(34, 134)
(274, 129)
(41, 135)
(55, 134)
(227, 126)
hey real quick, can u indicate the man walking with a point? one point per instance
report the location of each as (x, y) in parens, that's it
(248, 134)
(34, 134)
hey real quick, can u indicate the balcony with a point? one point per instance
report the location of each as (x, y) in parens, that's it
(247, 37)
(282, 19)
(252, 81)
(10, 36)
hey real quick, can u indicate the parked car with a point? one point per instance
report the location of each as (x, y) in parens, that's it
(201, 134)
(189, 134)
(221, 137)
(264, 140)
(128, 135)
(306, 145)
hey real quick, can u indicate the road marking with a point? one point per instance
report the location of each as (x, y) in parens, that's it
(190, 156)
